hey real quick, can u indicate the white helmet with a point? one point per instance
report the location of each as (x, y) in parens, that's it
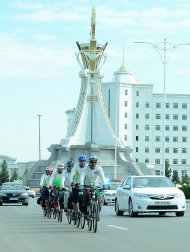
(47, 168)
(60, 166)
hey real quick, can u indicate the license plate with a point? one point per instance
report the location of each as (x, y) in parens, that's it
(13, 198)
(162, 203)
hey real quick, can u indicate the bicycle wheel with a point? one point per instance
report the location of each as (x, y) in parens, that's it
(82, 221)
(78, 219)
(95, 210)
(90, 218)
(69, 213)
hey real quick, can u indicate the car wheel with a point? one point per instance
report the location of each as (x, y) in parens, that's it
(105, 203)
(162, 213)
(118, 212)
(1, 204)
(131, 213)
(179, 214)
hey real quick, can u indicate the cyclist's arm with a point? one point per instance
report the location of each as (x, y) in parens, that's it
(73, 171)
(102, 176)
(82, 176)
(42, 181)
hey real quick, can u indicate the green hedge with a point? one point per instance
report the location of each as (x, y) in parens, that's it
(186, 190)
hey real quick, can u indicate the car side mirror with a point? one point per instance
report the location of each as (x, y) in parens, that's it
(178, 186)
(127, 187)
(27, 189)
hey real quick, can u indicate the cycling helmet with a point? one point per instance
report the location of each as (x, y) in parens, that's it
(47, 168)
(60, 166)
(70, 163)
(93, 159)
(82, 158)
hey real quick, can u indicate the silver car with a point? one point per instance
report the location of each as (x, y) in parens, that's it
(149, 194)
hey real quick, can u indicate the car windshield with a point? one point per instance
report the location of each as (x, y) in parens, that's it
(113, 186)
(152, 182)
(12, 187)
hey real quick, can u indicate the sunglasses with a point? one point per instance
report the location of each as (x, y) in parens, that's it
(93, 162)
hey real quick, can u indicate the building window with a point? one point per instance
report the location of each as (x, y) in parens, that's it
(157, 150)
(126, 103)
(175, 117)
(137, 104)
(167, 127)
(125, 138)
(146, 116)
(137, 93)
(167, 116)
(157, 161)
(175, 161)
(126, 92)
(158, 116)
(137, 160)
(147, 105)
(175, 150)
(157, 127)
(137, 127)
(137, 138)
(184, 139)
(175, 128)
(184, 105)
(125, 114)
(184, 150)
(137, 149)
(175, 139)
(167, 150)
(167, 105)
(184, 117)
(137, 116)
(183, 161)
(167, 139)
(125, 126)
(157, 172)
(146, 139)
(158, 105)
(184, 128)
(157, 138)
(146, 150)
(175, 105)
(146, 127)
(146, 160)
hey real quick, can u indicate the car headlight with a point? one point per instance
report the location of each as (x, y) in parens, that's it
(141, 195)
(179, 195)
(24, 195)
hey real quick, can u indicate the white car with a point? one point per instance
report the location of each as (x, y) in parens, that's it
(109, 195)
(149, 194)
(30, 191)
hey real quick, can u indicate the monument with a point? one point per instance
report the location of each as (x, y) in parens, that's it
(90, 131)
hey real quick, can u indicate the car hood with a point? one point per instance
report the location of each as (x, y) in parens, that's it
(109, 191)
(157, 190)
(13, 191)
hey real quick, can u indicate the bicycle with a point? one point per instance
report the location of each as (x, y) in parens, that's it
(93, 209)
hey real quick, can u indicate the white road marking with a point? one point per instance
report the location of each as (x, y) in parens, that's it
(122, 228)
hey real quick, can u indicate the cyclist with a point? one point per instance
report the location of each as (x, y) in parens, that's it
(93, 175)
(44, 185)
(57, 183)
(67, 184)
(75, 178)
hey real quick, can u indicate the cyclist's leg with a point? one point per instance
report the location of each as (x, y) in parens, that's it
(66, 196)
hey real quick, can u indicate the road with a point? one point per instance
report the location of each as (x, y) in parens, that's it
(24, 229)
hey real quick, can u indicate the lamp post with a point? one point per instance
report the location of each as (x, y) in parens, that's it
(39, 117)
(164, 49)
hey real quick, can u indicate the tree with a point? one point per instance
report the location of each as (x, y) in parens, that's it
(168, 171)
(175, 177)
(185, 179)
(14, 176)
(4, 174)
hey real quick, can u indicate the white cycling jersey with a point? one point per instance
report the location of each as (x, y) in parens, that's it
(45, 180)
(92, 176)
(76, 173)
(57, 180)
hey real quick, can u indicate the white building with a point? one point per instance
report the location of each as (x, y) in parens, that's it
(141, 122)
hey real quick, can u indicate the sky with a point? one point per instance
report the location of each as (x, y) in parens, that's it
(39, 70)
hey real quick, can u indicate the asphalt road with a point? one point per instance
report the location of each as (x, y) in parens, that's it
(24, 229)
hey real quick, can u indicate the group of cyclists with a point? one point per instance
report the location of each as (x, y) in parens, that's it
(66, 184)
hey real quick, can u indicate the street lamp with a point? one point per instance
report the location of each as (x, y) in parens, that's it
(162, 49)
(39, 137)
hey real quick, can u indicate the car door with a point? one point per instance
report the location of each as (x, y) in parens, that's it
(125, 194)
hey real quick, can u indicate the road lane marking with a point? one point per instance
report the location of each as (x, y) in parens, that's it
(122, 228)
